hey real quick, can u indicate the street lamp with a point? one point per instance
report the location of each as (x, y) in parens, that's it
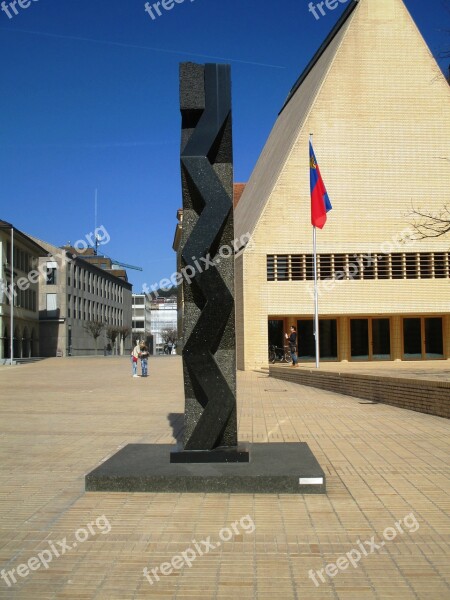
(69, 341)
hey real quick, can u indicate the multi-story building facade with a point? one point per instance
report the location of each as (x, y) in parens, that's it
(382, 140)
(163, 316)
(20, 292)
(73, 293)
(141, 318)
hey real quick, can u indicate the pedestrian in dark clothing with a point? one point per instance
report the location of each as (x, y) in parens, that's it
(293, 345)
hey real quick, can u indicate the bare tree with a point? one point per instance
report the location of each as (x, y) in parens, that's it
(169, 336)
(112, 332)
(94, 328)
(124, 332)
(427, 224)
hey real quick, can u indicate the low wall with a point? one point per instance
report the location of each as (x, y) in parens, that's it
(421, 395)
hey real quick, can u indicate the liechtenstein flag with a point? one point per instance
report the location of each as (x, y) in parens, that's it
(320, 203)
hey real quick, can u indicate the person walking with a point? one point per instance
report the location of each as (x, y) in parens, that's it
(134, 358)
(144, 360)
(293, 345)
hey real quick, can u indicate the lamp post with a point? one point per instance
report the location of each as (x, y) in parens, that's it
(69, 340)
(12, 299)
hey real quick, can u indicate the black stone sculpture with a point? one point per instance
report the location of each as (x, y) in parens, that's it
(207, 258)
(209, 363)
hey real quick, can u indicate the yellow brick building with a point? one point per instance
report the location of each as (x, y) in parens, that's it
(379, 108)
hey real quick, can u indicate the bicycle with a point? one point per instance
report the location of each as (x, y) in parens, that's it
(277, 354)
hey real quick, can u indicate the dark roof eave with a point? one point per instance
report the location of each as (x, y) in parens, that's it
(330, 37)
(8, 226)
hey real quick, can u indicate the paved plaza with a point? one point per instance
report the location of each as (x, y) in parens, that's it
(388, 494)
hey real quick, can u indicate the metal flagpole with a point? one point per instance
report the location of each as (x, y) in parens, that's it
(316, 300)
(11, 339)
(316, 291)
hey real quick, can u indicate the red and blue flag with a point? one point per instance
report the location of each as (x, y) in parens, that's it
(320, 203)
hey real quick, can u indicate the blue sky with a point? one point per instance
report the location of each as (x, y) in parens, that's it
(90, 100)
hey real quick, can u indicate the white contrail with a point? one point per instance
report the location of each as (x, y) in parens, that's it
(89, 145)
(122, 45)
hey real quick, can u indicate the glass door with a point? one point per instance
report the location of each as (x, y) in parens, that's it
(359, 336)
(423, 338)
(434, 341)
(381, 339)
(370, 339)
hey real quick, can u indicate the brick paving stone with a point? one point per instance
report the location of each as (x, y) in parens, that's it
(62, 417)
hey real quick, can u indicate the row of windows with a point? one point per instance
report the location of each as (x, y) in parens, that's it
(23, 260)
(370, 338)
(88, 310)
(400, 265)
(26, 299)
(94, 284)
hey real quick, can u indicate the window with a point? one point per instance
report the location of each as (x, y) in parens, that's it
(270, 268)
(412, 338)
(423, 338)
(383, 266)
(51, 273)
(426, 266)
(325, 266)
(69, 306)
(359, 266)
(440, 267)
(52, 310)
(327, 339)
(411, 263)
(340, 266)
(276, 333)
(368, 266)
(397, 266)
(359, 332)
(282, 268)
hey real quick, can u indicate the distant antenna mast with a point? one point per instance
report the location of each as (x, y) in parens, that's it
(95, 228)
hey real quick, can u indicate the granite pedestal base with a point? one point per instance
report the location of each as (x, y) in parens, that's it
(273, 469)
(218, 455)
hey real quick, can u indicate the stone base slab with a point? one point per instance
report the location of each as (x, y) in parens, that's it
(276, 468)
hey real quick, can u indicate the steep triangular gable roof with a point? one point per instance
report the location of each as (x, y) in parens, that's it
(286, 129)
(330, 37)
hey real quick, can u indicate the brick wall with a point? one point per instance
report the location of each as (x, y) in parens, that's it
(430, 397)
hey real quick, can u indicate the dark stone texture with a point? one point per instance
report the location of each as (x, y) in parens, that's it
(273, 469)
(227, 454)
(209, 358)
